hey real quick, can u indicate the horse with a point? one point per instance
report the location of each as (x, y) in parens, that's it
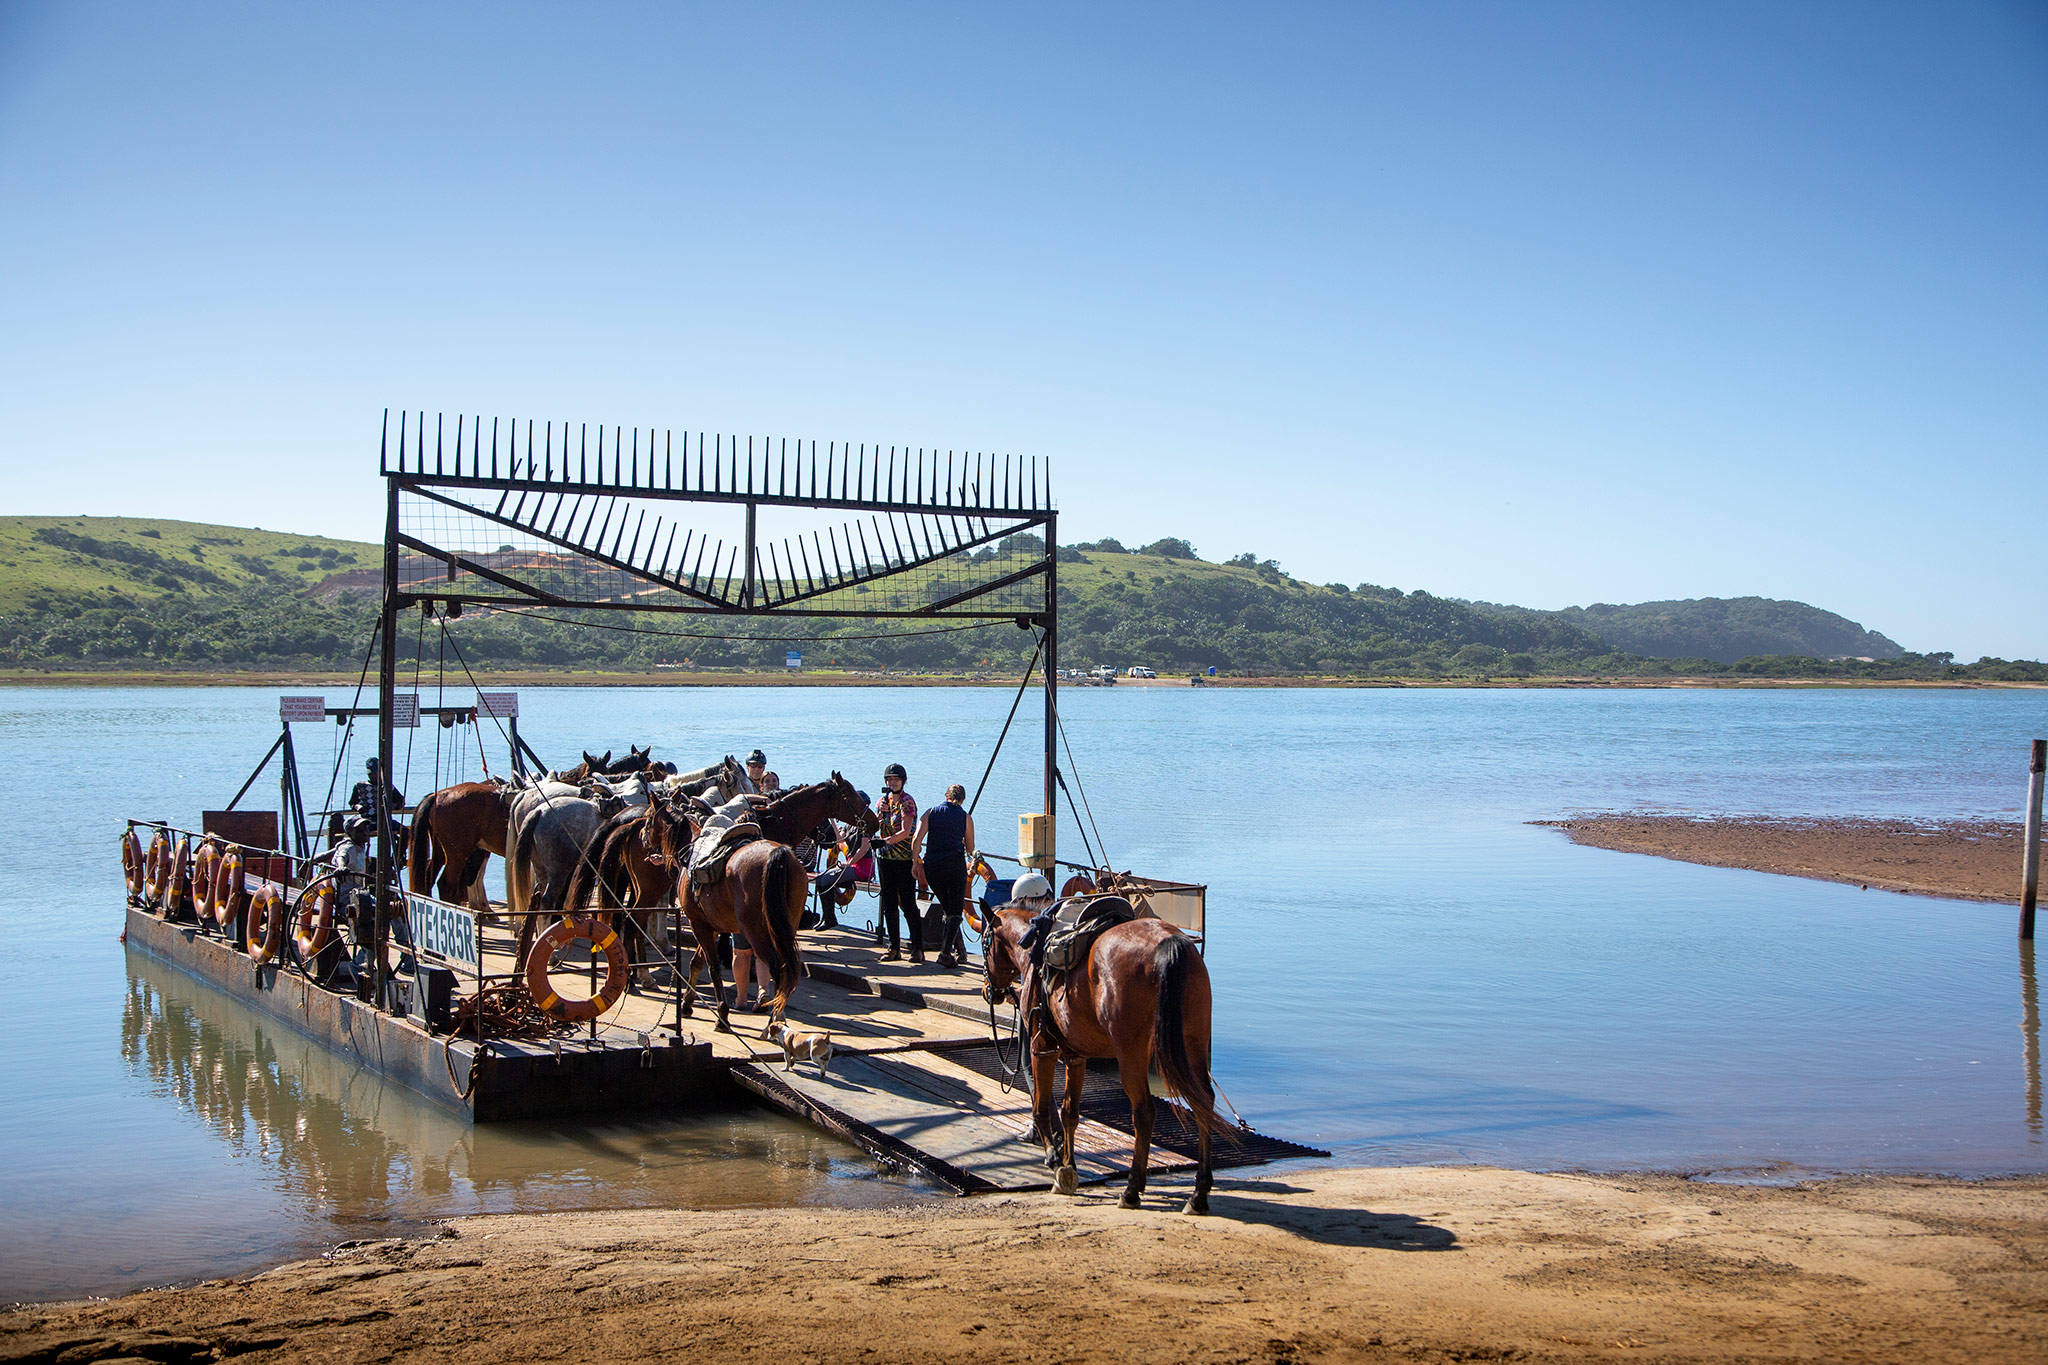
(797, 814)
(761, 895)
(589, 766)
(1142, 997)
(454, 832)
(632, 865)
(551, 825)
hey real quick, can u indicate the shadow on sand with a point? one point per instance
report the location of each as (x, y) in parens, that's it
(1237, 1201)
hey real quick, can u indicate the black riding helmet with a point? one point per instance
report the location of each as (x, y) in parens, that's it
(896, 770)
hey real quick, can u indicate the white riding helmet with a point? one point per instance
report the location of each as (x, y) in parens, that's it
(1029, 887)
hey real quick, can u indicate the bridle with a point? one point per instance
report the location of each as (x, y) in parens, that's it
(993, 940)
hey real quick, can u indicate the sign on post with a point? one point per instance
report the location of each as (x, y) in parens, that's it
(312, 709)
(405, 710)
(497, 705)
(446, 931)
(793, 659)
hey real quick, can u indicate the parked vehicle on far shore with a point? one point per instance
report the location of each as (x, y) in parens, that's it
(1140, 671)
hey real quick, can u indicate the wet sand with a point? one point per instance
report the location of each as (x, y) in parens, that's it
(1409, 1264)
(1962, 859)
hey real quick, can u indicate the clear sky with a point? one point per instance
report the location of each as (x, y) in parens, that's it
(1548, 304)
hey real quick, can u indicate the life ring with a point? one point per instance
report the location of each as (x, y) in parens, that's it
(181, 875)
(987, 876)
(263, 933)
(205, 874)
(313, 927)
(230, 892)
(559, 935)
(156, 870)
(1079, 884)
(132, 861)
(843, 897)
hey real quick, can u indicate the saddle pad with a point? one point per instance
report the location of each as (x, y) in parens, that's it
(1067, 944)
(713, 849)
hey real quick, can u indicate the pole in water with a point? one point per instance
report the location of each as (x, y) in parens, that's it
(2030, 865)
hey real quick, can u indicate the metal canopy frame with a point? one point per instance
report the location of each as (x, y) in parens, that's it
(925, 509)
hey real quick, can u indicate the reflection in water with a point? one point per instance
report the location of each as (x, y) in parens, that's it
(2030, 1029)
(356, 1150)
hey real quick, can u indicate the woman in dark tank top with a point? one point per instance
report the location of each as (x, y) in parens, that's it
(946, 834)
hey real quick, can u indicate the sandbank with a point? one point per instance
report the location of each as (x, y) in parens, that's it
(1960, 859)
(1297, 1264)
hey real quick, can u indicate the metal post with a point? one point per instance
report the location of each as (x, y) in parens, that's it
(1051, 664)
(512, 735)
(291, 804)
(747, 583)
(387, 684)
(2030, 861)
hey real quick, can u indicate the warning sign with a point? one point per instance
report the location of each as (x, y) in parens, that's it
(290, 709)
(498, 705)
(405, 710)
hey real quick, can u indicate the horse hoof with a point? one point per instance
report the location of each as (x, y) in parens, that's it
(1197, 1205)
(1130, 1200)
(1066, 1182)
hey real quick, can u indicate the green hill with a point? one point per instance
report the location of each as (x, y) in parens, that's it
(1725, 629)
(73, 559)
(127, 593)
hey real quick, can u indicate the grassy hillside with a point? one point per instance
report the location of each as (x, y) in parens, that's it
(124, 593)
(71, 559)
(1727, 629)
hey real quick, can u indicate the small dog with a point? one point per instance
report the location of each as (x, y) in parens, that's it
(810, 1047)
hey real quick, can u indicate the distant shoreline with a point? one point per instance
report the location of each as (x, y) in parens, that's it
(710, 678)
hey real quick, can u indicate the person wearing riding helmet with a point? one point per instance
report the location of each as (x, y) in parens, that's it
(897, 813)
(945, 834)
(765, 782)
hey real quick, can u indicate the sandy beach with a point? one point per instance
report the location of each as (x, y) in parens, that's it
(1410, 1264)
(1962, 859)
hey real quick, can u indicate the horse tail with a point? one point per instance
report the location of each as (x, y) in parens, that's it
(418, 860)
(1176, 961)
(519, 869)
(783, 873)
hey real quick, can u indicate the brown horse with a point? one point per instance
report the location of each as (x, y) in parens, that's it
(761, 895)
(454, 832)
(636, 857)
(795, 815)
(1141, 997)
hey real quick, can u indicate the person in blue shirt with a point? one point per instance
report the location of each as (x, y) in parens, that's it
(946, 836)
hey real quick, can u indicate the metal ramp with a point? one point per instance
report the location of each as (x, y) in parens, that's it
(948, 1114)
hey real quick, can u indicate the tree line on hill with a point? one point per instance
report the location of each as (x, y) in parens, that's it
(1158, 605)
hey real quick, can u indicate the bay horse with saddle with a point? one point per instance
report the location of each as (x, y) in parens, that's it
(1103, 980)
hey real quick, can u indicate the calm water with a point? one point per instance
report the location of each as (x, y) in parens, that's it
(1406, 970)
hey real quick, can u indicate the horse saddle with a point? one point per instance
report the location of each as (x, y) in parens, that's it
(714, 848)
(1061, 939)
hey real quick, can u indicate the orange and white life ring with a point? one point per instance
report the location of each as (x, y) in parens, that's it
(156, 870)
(230, 893)
(132, 861)
(205, 873)
(986, 875)
(181, 875)
(1079, 884)
(313, 929)
(602, 938)
(263, 932)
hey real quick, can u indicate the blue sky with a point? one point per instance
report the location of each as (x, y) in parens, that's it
(1549, 304)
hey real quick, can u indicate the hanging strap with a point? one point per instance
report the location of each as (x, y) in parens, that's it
(1006, 724)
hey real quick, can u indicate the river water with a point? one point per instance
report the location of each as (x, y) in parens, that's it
(1406, 970)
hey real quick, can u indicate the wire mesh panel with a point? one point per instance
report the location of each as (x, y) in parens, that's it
(611, 518)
